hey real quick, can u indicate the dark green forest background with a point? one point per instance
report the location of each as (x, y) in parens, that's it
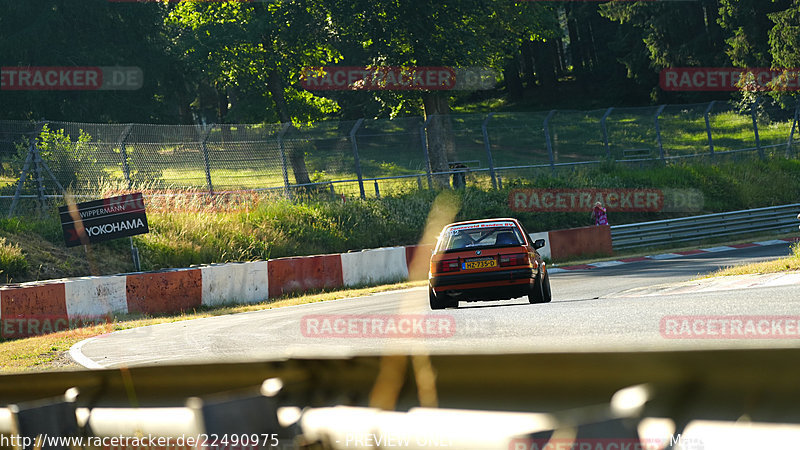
(227, 62)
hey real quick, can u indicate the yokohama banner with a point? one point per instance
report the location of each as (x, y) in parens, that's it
(103, 220)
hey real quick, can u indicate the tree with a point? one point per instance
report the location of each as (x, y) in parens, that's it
(784, 45)
(748, 24)
(455, 33)
(255, 50)
(93, 33)
(674, 34)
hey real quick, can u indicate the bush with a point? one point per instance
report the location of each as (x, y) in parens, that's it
(70, 161)
(12, 261)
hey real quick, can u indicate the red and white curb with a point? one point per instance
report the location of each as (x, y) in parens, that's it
(664, 256)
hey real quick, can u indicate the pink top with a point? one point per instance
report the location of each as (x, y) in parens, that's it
(600, 216)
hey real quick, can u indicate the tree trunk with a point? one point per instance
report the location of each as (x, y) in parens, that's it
(592, 47)
(545, 65)
(222, 100)
(557, 46)
(439, 135)
(513, 81)
(528, 66)
(575, 53)
(295, 151)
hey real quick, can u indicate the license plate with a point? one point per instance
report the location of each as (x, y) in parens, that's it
(479, 264)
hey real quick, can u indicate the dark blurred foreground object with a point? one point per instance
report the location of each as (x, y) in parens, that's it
(508, 401)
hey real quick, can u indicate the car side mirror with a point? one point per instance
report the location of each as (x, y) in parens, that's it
(539, 243)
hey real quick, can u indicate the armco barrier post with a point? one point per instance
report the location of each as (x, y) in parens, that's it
(353, 132)
(488, 147)
(548, 141)
(708, 128)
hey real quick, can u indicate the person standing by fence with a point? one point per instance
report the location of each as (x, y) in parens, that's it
(599, 215)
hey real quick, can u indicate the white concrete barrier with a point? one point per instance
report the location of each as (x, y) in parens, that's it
(544, 251)
(374, 266)
(241, 283)
(96, 296)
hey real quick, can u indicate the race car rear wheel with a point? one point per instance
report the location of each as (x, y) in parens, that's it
(435, 302)
(547, 295)
(540, 289)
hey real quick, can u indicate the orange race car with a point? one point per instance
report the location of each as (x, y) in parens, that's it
(490, 259)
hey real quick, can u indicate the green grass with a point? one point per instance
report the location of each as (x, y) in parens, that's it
(271, 226)
(393, 148)
(12, 262)
(789, 263)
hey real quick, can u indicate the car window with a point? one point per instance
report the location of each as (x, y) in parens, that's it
(457, 239)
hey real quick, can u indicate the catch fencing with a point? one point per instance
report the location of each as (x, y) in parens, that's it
(367, 157)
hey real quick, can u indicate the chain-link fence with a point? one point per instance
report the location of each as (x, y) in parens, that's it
(362, 158)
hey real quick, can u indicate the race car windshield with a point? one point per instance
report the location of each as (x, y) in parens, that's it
(455, 239)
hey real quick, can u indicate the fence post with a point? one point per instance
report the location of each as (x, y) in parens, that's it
(422, 136)
(281, 133)
(548, 140)
(204, 147)
(34, 157)
(789, 151)
(37, 167)
(658, 133)
(22, 178)
(605, 131)
(126, 170)
(353, 132)
(754, 113)
(488, 146)
(708, 128)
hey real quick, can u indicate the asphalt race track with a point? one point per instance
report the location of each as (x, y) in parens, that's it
(613, 308)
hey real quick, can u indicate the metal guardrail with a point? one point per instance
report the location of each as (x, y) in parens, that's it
(781, 219)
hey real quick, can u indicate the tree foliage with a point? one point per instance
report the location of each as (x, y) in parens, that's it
(241, 61)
